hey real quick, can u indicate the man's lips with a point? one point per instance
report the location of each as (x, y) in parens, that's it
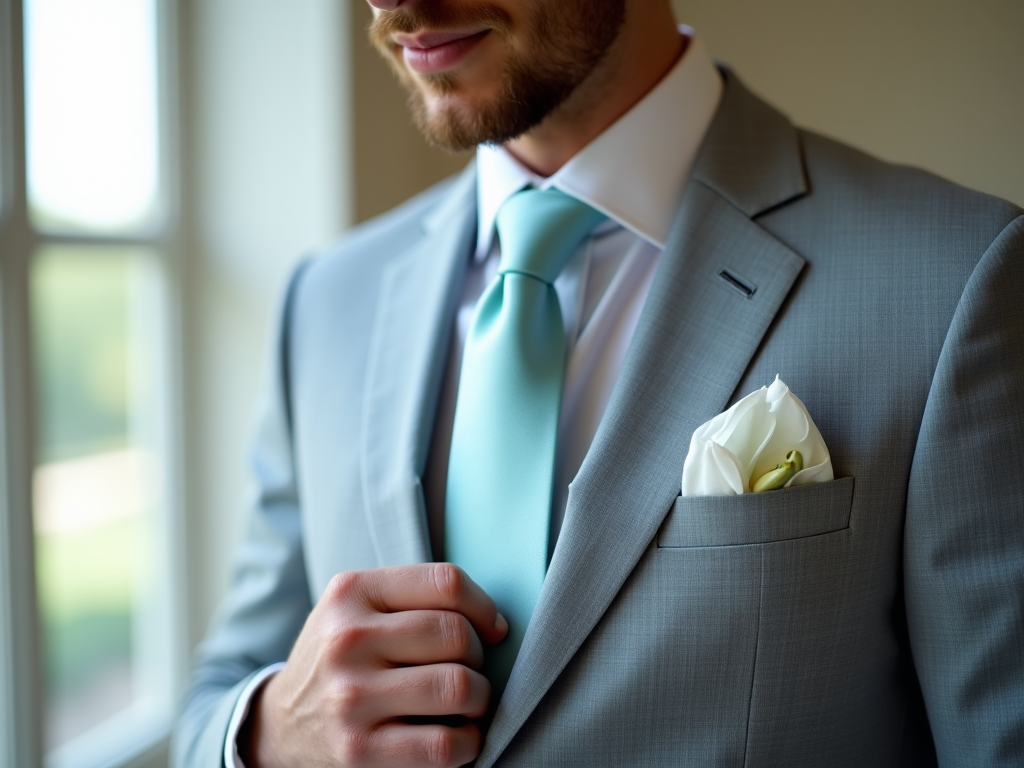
(432, 52)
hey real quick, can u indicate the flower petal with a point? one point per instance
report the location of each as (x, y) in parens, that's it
(751, 438)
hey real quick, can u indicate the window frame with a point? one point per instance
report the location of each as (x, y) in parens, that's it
(22, 699)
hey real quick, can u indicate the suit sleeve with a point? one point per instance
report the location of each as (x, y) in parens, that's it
(964, 545)
(268, 600)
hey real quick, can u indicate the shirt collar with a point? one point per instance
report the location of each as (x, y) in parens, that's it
(635, 171)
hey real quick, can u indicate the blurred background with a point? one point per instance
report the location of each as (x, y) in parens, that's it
(162, 166)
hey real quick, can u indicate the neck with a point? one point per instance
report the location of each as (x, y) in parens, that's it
(648, 46)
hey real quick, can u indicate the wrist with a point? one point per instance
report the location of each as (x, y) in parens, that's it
(254, 742)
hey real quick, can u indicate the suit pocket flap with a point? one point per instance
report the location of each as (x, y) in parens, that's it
(758, 518)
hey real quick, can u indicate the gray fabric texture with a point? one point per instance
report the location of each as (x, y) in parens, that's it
(877, 619)
(721, 521)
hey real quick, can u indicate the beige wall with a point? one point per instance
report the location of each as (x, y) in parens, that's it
(933, 83)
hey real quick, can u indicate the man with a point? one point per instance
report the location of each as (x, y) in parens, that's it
(505, 372)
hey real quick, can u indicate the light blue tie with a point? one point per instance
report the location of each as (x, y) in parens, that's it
(502, 463)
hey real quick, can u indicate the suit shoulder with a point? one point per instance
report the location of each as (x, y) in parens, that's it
(840, 174)
(372, 243)
(340, 280)
(860, 209)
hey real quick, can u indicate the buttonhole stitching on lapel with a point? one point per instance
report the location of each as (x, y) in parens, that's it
(745, 287)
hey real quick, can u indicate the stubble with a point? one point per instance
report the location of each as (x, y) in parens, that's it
(561, 44)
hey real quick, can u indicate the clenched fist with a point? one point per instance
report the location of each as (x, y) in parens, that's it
(384, 657)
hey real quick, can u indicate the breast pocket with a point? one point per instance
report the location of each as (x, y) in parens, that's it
(758, 518)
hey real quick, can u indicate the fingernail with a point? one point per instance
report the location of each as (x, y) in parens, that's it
(501, 623)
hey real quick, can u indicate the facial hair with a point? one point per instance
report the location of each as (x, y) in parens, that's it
(564, 40)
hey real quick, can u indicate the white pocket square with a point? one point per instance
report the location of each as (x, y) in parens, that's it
(737, 450)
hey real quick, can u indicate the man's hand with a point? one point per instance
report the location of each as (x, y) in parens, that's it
(381, 646)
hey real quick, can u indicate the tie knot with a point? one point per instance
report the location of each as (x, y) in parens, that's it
(539, 231)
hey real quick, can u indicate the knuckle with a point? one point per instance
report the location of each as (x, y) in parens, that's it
(454, 687)
(440, 747)
(349, 698)
(346, 639)
(455, 634)
(343, 586)
(449, 580)
(354, 748)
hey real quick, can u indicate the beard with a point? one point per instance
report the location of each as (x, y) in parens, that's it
(563, 43)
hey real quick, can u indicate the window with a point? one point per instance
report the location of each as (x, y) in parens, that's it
(86, 249)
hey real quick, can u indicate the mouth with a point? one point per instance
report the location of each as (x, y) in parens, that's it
(430, 53)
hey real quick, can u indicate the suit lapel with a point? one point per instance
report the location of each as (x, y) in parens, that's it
(419, 293)
(696, 336)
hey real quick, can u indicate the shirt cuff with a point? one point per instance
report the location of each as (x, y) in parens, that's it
(231, 758)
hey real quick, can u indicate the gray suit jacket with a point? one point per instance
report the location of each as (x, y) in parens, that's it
(877, 619)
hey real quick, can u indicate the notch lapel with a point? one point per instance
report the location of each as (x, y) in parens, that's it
(696, 336)
(419, 294)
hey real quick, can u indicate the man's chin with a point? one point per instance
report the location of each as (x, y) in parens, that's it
(458, 110)
(448, 122)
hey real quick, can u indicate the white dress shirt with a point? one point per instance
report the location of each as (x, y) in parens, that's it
(634, 173)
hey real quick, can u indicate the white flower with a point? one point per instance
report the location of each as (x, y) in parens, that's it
(734, 449)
